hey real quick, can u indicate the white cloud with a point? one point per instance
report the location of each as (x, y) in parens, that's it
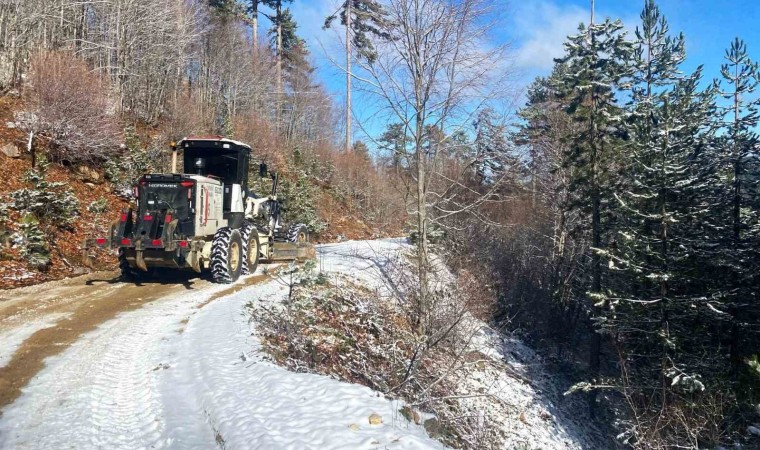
(540, 29)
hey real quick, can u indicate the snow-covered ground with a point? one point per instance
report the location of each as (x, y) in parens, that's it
(512, 387)
(185, 372)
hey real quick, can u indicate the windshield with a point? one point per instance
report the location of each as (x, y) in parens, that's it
(160, 196)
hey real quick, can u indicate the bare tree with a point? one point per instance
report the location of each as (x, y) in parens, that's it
(433, 74)
(71, 108)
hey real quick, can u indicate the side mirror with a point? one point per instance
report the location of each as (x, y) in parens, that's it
(263, 170)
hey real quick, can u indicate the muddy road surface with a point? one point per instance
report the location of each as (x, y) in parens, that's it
(39, 322)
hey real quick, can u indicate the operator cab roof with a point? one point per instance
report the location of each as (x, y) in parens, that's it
(211, 141)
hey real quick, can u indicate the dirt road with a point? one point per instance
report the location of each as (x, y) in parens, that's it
(41, 321)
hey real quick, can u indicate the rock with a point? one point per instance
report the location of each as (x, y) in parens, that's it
(353, 427)
(411, 415)
(375, 419)
(10, 125)
(89, 175)
(11, 151)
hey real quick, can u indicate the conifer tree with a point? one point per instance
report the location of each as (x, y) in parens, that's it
(395, 141)
(741, 78)
(597, 62)
(363, 19)
(33, 243)
(666, 196)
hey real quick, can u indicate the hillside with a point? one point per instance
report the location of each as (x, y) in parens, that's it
(64, 243)
(339, 219)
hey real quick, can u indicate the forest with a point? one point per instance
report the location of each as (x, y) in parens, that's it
(612, 220)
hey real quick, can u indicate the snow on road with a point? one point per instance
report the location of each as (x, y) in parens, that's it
(185, 373)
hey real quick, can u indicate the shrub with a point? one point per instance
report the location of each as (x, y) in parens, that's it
(31, 240)
(98, 206)
(300, 202)
(123, 168)
(49, 202)
(71, 107)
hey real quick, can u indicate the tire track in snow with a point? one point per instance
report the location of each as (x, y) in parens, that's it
(101, 392)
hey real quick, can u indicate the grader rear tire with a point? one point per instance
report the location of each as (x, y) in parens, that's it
(298, 233)
(251, 246)
(226, 255)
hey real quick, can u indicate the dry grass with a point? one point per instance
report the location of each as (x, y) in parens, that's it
(346, 331)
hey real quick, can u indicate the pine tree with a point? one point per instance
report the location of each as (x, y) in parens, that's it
(493, 151)
(295, 54)
(662, 294)
(658, 254)
(49, 202)
(34, 248)
(362, 18)
(367, 19)
(544, 131)
(395, 140)
(597, 62)
(741, 261)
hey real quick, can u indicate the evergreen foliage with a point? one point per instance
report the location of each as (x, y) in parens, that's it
(597, 63)
(300, 200)
(654, 181)
(32, 242)
(50, 202)
(367, 19)
(740, 248)
(394, 141)
(132, 162)
(492, 147)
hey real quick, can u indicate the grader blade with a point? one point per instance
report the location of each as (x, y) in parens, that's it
(286, 251)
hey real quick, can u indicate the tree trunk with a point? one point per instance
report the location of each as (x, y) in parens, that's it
(422, 244)
(279, 66)
(348, 76)
(735, 311)
(255, 25)
(30, 149)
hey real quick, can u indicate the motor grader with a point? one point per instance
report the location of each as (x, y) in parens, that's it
(204, 218)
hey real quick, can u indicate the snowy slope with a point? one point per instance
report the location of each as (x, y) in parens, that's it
(513, 389)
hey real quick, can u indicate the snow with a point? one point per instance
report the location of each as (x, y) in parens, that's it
(520, 397)
(147, 379)
(512, 388)
(221, 378)
(186, 372)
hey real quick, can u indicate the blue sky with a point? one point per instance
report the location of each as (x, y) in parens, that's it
(536, 30)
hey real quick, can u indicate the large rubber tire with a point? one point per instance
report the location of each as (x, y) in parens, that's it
(226, 255)
(298, 233)
(251, 246)
(129, 273)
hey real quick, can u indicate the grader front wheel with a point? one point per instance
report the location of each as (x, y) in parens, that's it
(252, 251)
(298, 233)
